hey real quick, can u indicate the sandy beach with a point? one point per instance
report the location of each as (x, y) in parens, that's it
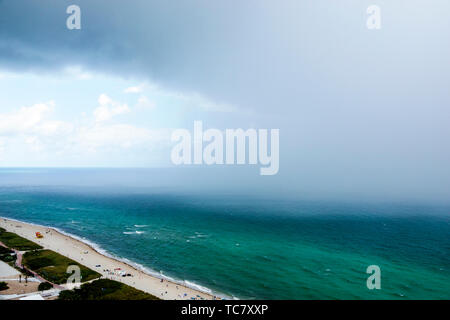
(89, 257)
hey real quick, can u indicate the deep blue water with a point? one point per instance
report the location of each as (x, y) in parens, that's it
(249, 247)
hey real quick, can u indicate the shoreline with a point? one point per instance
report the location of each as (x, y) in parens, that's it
(75, 248)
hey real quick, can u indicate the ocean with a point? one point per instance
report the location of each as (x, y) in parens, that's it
(248, 247)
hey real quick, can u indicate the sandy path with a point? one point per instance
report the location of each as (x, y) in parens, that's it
(75, 250)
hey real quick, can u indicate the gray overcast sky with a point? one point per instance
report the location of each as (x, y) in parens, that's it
(361, 112)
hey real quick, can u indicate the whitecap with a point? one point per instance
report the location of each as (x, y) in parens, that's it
(197, 287)
(133, 232)
(136, 265)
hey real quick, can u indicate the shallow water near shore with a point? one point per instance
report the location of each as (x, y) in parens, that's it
(255, 249)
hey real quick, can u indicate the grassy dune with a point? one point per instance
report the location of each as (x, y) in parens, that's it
(6, 255)
(105, 289)
(14, 241)
(53, 267)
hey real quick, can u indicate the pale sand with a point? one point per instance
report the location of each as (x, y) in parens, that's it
(16, 287)
(75, 250)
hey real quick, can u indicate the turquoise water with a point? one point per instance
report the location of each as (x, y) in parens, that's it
(253, 248)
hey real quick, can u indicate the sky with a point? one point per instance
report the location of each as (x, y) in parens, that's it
(361, 112)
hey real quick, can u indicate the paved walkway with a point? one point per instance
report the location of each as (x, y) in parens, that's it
(46, 294)
(19, 255)
(6, 271)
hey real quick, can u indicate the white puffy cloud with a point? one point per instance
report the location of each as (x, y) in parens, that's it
(32, 120)
(54, 127)
(34, 143)
(78, 72)
(31, 128)
(110, 131)
(109, 108)
(25, 119)
(145, 103)
(34, 130)
(136, 89)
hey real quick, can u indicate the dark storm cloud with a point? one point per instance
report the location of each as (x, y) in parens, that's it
(358, 109)
(253, 53)
(262, 54)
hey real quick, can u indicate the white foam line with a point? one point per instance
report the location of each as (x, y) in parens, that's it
(136, 265)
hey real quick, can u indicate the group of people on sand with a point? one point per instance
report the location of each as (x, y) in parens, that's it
(185, 295)
(118, 272)
(167, 285)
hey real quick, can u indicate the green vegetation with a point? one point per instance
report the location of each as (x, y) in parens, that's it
(14, 241)
(105, 289)
(45, 286)
(3, 286)
(6, 255)
(53, 267)
(4, 250)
